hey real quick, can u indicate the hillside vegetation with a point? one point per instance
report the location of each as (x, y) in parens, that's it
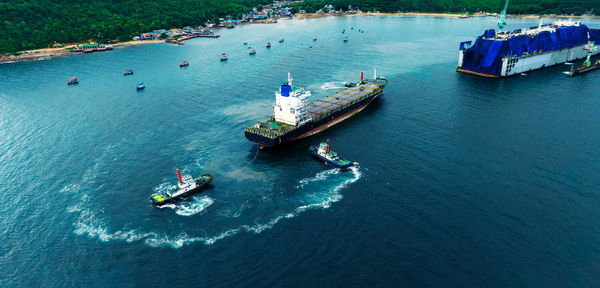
(34, 24)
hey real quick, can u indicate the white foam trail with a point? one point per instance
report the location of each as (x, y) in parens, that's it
(90, 224)
(193, 207)
(333, 85)
(319, 177)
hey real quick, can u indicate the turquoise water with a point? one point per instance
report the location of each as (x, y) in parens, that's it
(462, 181)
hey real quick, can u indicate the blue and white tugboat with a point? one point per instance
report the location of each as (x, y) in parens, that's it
(324, 153)
(186, 187)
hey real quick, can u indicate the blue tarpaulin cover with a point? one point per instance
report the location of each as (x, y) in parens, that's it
(485, 56)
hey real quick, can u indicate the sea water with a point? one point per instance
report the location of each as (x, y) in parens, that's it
(461, 181)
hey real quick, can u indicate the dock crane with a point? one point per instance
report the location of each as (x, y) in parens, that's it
(502, 20)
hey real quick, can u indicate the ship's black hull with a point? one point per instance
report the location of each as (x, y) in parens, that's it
(315, 127)
(587, 69)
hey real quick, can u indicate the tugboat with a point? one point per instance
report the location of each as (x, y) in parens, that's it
(184, 64)
(223, 57)
(281, 40)
(324, 153)
(268, 44)
(587, 65)
(252, 51)
(140, 86)
(186, 186)
(72, 81)
(128, 72)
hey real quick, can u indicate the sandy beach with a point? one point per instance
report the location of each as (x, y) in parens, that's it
(44, 53)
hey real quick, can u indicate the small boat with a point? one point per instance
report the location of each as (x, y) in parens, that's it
(281, 40)
(314, 38)
(185, 187)
(72, 81)
(345, 39)
(252, 52)
(323, 152)
(140, 86)
(245, 43)
(128, 72)
(268, 44)
(587, 65)
(223, 57)
(184, 64)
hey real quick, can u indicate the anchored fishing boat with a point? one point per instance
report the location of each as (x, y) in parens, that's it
(346, 39)
(72, 81)
(140, 86)
(186, 187)
(323, 153)
(128, 72)
(223, 57)
(314, 38)
(281, 40)
(252, 51)
(184, 64)
(268, 44)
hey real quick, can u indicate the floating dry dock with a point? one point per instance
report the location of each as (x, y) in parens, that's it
(295, 118)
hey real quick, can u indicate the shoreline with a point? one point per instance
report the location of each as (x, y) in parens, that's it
(430, 14)
(46, 53)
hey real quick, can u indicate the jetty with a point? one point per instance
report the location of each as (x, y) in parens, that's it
(89, 48)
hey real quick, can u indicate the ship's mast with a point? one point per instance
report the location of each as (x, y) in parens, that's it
(290, 79)
(502, 20)
(590, 48)
(374, 73)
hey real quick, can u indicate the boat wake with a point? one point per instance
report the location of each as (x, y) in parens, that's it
(316, 192)
(189, 208)
(333, 85)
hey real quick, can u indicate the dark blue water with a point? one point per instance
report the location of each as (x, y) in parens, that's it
(462, 181)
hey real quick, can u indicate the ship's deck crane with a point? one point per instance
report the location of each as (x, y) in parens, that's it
(502, 20)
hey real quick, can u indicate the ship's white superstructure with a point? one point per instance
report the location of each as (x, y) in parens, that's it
(186, 184)
(291, 104)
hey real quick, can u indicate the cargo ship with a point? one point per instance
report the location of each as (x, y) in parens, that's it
(508, 53)
(295, 118)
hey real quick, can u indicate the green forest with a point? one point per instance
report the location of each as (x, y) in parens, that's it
(40, 23)
(32, 24)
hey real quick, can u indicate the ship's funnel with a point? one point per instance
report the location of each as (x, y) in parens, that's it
(179, 175)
